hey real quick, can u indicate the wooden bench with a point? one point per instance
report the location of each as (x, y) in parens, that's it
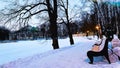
(103, 52)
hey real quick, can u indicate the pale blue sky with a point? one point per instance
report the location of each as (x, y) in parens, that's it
(71, 4)
(2, 4)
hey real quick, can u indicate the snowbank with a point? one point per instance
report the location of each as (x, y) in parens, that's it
(66, 57)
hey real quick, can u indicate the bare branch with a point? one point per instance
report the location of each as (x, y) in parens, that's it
(22, 14)
(35, 13)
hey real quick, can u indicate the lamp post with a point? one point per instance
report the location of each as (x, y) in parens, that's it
(97, 28)
(99, 31)
(87, 33)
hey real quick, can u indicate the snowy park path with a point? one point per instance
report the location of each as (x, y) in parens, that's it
(67, 57)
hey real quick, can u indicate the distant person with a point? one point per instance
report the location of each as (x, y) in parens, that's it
(97, 35)
(87, 34)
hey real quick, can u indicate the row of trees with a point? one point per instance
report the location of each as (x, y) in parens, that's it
(51, 10)
(107, 14)
(42, 31)
(21, 13)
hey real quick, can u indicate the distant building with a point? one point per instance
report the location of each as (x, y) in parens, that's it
(27, 32)
(4, 33)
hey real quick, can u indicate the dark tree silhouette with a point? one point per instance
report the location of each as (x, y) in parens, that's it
(65, 7)
(43, 31)
(52, 11)
(21, 14)
(106, 14)
(4, 34)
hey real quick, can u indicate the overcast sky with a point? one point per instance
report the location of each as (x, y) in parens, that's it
(72, 3)
(2, 4)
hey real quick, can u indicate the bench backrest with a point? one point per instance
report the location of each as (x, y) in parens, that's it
(102, 45)
(105, 48)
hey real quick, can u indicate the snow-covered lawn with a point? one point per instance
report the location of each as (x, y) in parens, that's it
(39, 54)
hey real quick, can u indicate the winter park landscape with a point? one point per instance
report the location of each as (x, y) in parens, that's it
(39, 54)
(59, 33)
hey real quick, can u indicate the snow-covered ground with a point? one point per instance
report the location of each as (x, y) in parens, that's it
(39, 54)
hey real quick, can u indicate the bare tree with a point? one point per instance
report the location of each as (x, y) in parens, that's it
(20, 15)
(105, 14)
(52, 11)
(65, 9)
(73, 13)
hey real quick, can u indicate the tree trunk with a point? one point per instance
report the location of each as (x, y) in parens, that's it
(52, 11)
(53, 29)
(70, 34)
(68, 26)
(71, 39)
(55, 43)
